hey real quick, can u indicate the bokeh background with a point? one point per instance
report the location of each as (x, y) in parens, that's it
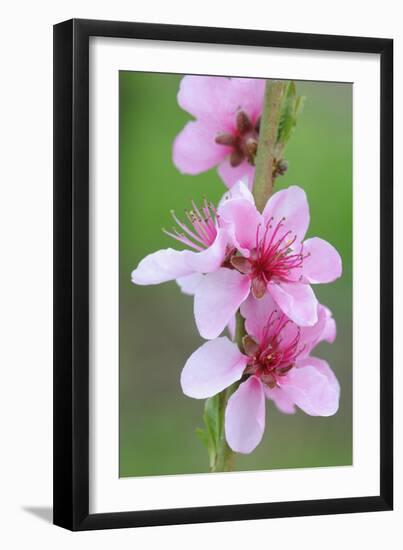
(157, 329)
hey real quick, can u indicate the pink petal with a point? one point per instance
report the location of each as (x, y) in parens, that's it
(240, 190)
(313, 387)
(297, 301)
(212, 368)
(323, 330)
(310, 336)
(206, 97)
(323, 367)
(248, 94)
(231, 175)
(244, 218)
(195, 149)
(210, 259)
(169, 264)
(215, 97)
(245, 416)
(323, 265)
(292, 204)
(281, 400)
(161, 266)
(257, 314)
(217, 298)
(189, 283)
(330, 330)
(231, 327)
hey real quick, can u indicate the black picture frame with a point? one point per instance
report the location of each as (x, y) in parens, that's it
(71, 274)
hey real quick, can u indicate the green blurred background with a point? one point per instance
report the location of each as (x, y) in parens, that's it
(157, 329)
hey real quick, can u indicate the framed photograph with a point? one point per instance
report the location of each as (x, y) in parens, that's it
(223, 320)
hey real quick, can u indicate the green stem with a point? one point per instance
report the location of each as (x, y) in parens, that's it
(225, 457)
(263, 183)
(239, 330)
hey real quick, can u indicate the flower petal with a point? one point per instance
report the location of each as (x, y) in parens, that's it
(240, 190)
(161, 266)
(323, 330)
(245, 416)
(169, 264)
(323, 265)
(323, 367)
(210, 259)
(231, 327)
(213, 367)
(217, 298)
(297, 301)
(313, 387)
(281, 399)
(189, 283)
(247, 94)
(243, 218)
(257, 314)
(195, 149)
(291, 204)
(215, 97)
(330, 330)
(206, 97)
(231, 175)
(312, 335)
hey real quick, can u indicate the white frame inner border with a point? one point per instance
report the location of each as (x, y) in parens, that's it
(109, 493)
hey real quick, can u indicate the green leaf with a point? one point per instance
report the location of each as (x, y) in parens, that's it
(204, 437)
(287, 110)
(299, 105)
(211, 434)
(291, 109)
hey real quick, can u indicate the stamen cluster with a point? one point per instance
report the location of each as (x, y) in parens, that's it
(243, 142)
(272, 358)
(204, 224)
(273, 258)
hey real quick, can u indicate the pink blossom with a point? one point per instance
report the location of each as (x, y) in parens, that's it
(276, 364)
(269, 256)
(225, 132)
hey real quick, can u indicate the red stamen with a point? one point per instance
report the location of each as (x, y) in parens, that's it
(274, 257)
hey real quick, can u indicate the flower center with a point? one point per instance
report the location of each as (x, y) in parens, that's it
(273, 258)
(277, 352)
(201, 231)
(243, 141)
